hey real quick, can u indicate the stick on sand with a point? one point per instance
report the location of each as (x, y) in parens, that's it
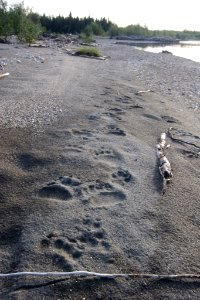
(100, 275)
(4, 75)
(142, 92)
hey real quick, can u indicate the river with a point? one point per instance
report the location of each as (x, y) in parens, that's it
(186, 49)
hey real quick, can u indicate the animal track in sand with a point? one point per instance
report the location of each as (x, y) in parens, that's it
(63, 250)
(124, 105)
(104, 194)
(62, 133)
(94, 239)
(30, 161)
(123, 176)
(65, 188)
(74, 148)
(194, 153)
(84, 133)
(107, 91)
(124, 99)
(170, 119)
(112, 129)
(107, 153)
(98, 116)
(114, 116)
(152, 117)
(119, 98)
(66, 250)
(117, 110)
(94, 117)
(55, 191)
(91, 233)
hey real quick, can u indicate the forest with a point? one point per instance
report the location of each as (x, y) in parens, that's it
(28, 25)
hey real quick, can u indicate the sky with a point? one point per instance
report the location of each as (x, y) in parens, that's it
(155, 14)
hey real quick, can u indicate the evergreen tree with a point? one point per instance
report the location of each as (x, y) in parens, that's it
(6, 25)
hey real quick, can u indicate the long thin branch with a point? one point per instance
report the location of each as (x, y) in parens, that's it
(100, 275)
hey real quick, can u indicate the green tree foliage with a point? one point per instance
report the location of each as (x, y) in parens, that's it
(113, 31)
(136, 30)
(6, 24)
(29, 31)
(97, 28)
(19, 21)
(17, 13)
(75, 25)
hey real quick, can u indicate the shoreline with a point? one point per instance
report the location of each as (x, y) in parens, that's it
(80, 185)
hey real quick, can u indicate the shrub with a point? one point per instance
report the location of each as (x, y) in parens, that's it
(87, 39)
(29, 31)
(89, 52)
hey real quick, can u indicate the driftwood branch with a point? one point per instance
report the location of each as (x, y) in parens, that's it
(164, 164)
(4, 75)
(100, 275)
(142, 92)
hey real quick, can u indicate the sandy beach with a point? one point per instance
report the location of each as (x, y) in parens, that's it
(80, 184)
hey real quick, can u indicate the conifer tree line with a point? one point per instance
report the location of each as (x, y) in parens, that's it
(27, 25)
(75, 25)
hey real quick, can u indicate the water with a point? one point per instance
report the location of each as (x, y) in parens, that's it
(186, 49)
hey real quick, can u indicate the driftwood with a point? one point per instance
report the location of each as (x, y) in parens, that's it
(89, 44)
(4, 75)
(38, 46)
(73, 53)
(142, 92)
(100, 275)
(164, 164)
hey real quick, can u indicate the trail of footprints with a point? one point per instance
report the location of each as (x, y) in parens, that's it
(123, 101)
(98, 193)
(66, 250)
(89, 237)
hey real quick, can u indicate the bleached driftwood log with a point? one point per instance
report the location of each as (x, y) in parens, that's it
(100, 275)
(164, 164)
(4, 75)
(142, 92)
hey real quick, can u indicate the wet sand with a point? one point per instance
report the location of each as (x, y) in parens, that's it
(80, 186)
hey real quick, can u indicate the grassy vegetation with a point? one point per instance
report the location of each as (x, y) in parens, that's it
(87, 38)
(89, 52)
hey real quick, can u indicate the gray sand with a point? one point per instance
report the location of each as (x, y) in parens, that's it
(80, 187)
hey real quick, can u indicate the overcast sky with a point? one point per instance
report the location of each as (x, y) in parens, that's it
(155, 14)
